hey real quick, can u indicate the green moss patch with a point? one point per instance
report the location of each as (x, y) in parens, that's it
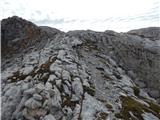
(136, 91)
(155, 107)
(89, 90)
(17, 76)
(90, 45)
(44, 68)
(109, 106)
(101, 115)
(67, 102)
(131, 105)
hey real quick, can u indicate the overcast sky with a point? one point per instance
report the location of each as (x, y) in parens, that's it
(99, 15)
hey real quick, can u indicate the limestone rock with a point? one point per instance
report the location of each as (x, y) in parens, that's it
(48, 86)
(151, 33)
(33, 104)
(40, 87)
(49, 117)
(83, 74)
(37, 97)
(77, 87)
(30, 91)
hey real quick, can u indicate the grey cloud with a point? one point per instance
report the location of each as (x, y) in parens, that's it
(6, 3)
(49, 21)
(52, 21)
(38, 12)
(150, 16)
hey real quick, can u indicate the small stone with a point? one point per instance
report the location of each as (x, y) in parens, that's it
(77, 87)
(55, 68)
(67, 110)
(33, 104)
(29, 91)
(58, 74)
(26, 115)
(24, 112)
(48, 86)
(58, 83)
(131, 74)
(90, 106)
(158, 100)
(9, 80)
(74, 98)
(12, 91)
(37, 113)
(108, 72)
(39, 87)
(25, 86)
(66, 89)
(18, 111)
(112, 62)
(85, 83)
(17, 116)
(141, 84)
(61, 54)
(52, 78)
(45, 94)
(45, 76)
(120, 70)
(154, 93)
(57, 100)
(49, 117)
(37, 97)
(66, 75)
(51, 92)
(76, 42)
(47, 102)
(26, 70)
(19, 82)
(28, 78)
(149, 116)
(76, 112)
(14, 78)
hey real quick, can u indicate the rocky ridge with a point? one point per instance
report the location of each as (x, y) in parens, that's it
(80, 75)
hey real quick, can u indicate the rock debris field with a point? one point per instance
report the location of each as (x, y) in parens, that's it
(48, 74)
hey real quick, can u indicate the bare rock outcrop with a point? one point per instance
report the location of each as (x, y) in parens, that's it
(153, 33)
(80, 75)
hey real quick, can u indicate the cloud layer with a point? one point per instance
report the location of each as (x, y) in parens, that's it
(99, 15)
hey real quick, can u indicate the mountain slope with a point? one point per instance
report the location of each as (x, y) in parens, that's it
(81, 75)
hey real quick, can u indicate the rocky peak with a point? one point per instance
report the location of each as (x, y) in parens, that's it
(82, 75)
(152, 33)
(18, 34)
(16, 27)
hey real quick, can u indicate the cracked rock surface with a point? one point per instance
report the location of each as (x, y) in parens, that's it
(81, 75)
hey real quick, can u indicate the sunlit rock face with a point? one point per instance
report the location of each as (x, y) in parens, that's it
(80, 75)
